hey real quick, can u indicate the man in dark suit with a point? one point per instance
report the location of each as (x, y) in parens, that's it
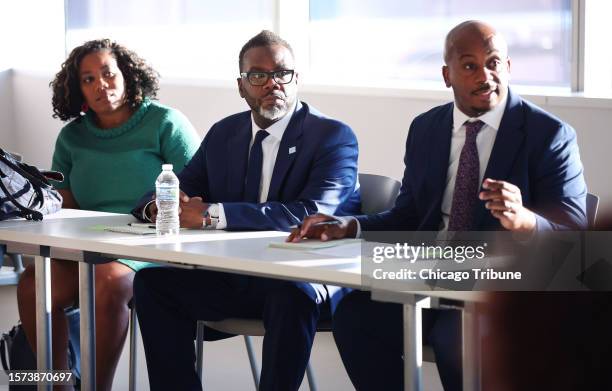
(264, 169)
(527, 162)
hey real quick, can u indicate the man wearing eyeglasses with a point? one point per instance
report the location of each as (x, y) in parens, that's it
(264, 169)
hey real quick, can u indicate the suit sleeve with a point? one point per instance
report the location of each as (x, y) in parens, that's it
(403, 216)
(330, 183)
(559, 187)
(193, 178)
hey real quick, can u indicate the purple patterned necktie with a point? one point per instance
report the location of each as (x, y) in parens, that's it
(465, 194)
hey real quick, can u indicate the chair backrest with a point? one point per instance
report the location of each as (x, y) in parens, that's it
(378, 193)
(592, 202)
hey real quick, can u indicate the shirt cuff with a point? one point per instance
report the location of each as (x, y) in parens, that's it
(222, 224)
(146, 217)
(348, 219)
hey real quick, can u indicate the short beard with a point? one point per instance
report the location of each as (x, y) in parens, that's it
(273, 114)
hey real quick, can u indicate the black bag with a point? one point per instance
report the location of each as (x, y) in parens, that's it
(25, 191)
(16, 353)
(15, 350)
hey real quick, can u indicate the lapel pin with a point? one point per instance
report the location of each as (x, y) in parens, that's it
(291, 150)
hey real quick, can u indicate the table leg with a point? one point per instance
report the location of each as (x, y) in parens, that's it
(87, 304)
(43, 316)
(471, 348)
(413, 346)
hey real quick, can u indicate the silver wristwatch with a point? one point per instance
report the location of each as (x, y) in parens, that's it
(211, 213)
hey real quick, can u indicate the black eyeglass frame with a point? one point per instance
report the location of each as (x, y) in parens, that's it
(272, 74)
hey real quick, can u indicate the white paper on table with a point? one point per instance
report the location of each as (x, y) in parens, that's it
(129, 229)
(313, 244)
(346, 250)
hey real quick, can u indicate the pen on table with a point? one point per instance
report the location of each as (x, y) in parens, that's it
(330, 222)
(141, 225)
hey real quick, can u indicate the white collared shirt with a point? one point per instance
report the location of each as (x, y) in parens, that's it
(484, 142)
(269, 147)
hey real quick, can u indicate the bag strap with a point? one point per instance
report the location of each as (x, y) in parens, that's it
(27, 213)
(4, 353)
(34, 178)
(31, 173)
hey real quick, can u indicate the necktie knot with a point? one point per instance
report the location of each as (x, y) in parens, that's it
(260, 136)
(472, 129)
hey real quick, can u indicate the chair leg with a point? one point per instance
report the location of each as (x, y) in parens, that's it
(200, 351)
(17, 263)
(252, 360)
(311, 378)
(133, 348)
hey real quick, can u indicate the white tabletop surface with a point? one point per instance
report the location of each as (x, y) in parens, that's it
(244, 252)
(70, 232)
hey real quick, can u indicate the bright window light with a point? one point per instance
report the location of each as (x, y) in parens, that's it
(598, 56)
(179, 38)
(394, 41)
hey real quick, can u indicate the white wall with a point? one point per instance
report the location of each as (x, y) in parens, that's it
(31, 37)
(35, 129)
(380, 120)
(7, 123)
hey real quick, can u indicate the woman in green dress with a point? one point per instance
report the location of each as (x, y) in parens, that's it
(110, 154)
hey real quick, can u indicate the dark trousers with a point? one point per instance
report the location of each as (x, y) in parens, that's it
(170, 301)
(369, 336)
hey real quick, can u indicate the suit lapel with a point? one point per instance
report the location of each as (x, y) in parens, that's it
(439, 152)
(507, 144)
(238, 157)
(288, 149)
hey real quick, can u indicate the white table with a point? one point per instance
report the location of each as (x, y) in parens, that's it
(71, 234)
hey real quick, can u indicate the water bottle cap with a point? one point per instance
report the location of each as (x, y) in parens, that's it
(167, 167)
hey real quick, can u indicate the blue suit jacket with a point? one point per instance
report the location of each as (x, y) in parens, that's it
(532, 150)
(315, 171)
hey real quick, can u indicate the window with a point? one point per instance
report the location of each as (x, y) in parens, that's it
(179, 38)
(379, 43)
(395, 40)
(598, 56)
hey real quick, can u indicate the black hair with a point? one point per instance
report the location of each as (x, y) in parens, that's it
(264, 38)
(141, 81)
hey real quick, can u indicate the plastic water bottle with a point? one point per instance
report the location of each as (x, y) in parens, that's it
(167, 201)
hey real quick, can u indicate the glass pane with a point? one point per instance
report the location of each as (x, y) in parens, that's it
(180, 38)
(374, 41)
(598, 56)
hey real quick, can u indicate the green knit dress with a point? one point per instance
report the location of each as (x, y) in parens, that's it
(109, 170)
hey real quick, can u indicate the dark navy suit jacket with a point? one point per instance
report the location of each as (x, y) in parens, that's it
(532, 150)
(315, 172)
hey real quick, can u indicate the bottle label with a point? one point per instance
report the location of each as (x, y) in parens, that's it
(167, 193)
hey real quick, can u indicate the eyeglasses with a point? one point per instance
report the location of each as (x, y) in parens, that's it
(257, 78)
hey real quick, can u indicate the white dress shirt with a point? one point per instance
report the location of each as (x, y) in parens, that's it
(269, 147)
(484, 143)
